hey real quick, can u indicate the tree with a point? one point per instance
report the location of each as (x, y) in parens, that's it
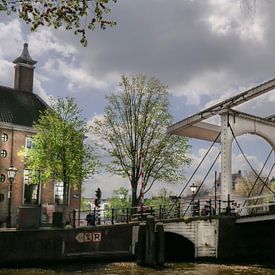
(58, 152)
(120, 200)
(77, 15)
(162, 198)
(245, 185)
(252, 186)
(134, 133)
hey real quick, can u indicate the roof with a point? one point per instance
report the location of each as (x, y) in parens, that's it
(25, 57)
(20, 107)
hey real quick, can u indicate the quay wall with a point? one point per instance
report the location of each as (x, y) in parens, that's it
(246, 242)
(27, 247)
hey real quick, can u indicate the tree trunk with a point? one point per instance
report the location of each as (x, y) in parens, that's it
(134, 194)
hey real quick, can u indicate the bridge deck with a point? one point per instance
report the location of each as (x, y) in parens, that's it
(248, 219)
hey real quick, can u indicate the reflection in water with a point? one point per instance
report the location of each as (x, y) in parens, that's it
(133, 269)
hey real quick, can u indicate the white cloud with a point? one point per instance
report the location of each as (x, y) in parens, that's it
(6, 73)
(76, 74)
(45, 40)
(208, 83)
(11, 38)
(106, 182)
(228, 18)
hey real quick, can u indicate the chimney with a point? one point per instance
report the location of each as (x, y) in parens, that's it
(23, 78)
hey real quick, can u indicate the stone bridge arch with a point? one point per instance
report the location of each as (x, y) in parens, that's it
(202, 234)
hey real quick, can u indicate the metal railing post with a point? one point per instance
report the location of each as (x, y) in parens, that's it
(160, 214)
(210, 210)
(113, 216)
(74, 218)
(127, 215)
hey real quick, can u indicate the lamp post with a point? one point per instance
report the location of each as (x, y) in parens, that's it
(193, 189)
(11, 172)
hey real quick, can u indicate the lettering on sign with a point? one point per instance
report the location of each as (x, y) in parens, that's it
(97, 237)
(88, 237)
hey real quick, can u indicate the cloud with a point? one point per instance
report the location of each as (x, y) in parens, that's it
(11, 38)
(77, 77)
(227, 18)
(44, 41)
(106, 182)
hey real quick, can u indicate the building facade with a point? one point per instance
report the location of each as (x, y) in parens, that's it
(20, 108)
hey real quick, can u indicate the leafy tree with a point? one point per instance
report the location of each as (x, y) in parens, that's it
(133, 132)
(245, 184)
(58, 152)
(120, 200)
(162, 198)
(77, 15)
(252, 186)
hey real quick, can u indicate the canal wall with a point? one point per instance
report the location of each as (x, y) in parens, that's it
(246, 242)
(27, 247)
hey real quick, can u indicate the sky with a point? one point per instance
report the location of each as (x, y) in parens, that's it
(204, 50)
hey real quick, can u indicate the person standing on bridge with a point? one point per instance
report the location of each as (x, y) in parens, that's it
(90, 218)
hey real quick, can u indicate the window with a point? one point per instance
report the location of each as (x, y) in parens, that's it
(3, 153)
(31, 190)
(59, 192)
(29, 142)
(2, 178)
(4, 137)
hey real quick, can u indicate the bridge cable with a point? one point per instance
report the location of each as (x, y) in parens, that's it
(255, 172)
(199, 165)
(255, 182)
(213, 163)
(265, 181)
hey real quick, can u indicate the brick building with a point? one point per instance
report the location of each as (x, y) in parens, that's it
(20, 107)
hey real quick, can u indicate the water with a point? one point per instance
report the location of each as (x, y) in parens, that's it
(127, 268)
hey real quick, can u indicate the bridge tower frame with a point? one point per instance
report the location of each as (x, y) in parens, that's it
(232, 121)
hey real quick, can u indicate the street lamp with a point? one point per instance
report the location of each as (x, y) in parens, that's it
(193, 189)
(11, 172)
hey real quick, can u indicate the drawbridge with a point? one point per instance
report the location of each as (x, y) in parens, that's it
(233, 123)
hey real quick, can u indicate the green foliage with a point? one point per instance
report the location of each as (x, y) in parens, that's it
(84, 204)
(120, 200)
(58, 151)
(73, 14)
(163, 198)
(134, 124)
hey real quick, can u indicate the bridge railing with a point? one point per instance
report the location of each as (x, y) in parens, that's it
(258, 205)
(179, 210)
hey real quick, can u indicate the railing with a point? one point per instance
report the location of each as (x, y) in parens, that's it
(199, 208)
(258, 205)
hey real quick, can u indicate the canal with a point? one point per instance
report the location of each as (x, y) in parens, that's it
(128, 268)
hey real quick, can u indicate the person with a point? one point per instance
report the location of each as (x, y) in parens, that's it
(90, 218)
